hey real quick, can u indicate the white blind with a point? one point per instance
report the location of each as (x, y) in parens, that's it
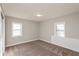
(60, 30)
(16, 29)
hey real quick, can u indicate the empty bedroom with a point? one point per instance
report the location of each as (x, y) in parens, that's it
(39, 29)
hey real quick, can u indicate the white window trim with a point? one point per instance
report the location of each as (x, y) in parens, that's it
(55, 35)
(20, 29)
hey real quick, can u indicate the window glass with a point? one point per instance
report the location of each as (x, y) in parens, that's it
(60, 30)
(16, 29)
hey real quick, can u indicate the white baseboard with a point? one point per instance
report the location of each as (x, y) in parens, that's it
(69, 43)
(21, 42)
(45, 40)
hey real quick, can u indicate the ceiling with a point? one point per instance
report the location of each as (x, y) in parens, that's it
(47, 10)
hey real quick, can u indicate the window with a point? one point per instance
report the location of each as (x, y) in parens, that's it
(16, 29)
(60, 29)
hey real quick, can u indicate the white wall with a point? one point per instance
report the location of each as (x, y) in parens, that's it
(30, 31)
(71, 31)
(2, 31)
(45, 30)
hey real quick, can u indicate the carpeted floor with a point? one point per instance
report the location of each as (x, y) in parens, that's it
(38, 48)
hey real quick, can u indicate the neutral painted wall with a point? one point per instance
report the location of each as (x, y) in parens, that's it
(71, 40)
(30, 31)
(2, 31)
(45, 30)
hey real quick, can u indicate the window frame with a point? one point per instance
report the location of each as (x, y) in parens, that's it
(17, 29)
(55, 29)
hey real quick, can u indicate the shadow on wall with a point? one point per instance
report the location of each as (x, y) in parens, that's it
(69, 43)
